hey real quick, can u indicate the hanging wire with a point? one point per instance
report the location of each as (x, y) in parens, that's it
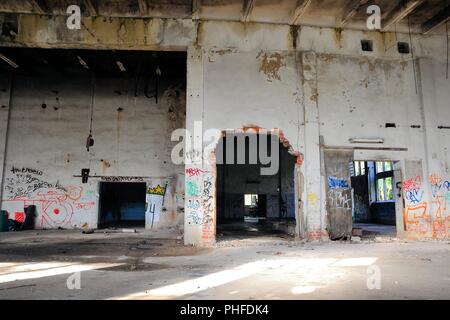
(446, 32)
(92, 102)
(412, 52)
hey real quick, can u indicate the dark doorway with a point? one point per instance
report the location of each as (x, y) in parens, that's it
(250, 203)
(374, 212)
(122, 204)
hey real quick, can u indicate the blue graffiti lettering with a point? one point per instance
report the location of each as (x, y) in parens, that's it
(335, 183)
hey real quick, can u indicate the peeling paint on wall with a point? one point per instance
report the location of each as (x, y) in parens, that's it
(271, 65)
(212, 53)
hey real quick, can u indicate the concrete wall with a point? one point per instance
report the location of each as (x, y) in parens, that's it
(313, 86)
(47, 148)
(321, 90)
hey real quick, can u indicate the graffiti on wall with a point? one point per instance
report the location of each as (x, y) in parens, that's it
(337, 183)
(200, 194)
(122, 179)
(208, 227)
(194, 172)
(158, 190)
(338, 193)
(154, 201)
(192, 189)
(313, 199)
(194, 205)
(55, 203)
(22, 184)
(427, 218)
(413, 190)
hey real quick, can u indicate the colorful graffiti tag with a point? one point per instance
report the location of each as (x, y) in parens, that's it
(158, 190)
(427, 218)
(335, 183)
(338, 194)
(194, 172)
(55, 203)
(155, 201)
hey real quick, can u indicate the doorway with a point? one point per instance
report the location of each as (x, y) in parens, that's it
(122, 204)
(374, 199)
(249, 203)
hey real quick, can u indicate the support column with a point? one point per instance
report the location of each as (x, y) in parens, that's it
(5, 99)
(193, 217)
(312, 193)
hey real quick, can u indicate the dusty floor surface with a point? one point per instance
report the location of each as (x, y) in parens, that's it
(37, 265)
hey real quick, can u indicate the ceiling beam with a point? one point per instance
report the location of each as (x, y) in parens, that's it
(143, 9)
(39, 7)
(349, 11)
(91, 8)
(247, 9)
(195, 9)
(302, 6)
(439, 19)
(402, 10)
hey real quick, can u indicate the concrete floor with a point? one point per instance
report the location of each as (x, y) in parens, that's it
(37, 264)
(372, 229)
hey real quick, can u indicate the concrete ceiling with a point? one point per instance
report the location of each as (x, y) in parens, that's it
(424, 15)
(84, 63)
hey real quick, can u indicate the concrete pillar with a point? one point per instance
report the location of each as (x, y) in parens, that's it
(427, 79)
(312, 193)
(432, 80)
(5, 95)
(193, 219)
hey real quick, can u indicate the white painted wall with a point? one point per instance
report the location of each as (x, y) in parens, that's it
(357, 94)
(254, 75)
(134, 142)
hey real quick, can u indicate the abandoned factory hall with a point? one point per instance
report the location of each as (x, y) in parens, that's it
(143, 129)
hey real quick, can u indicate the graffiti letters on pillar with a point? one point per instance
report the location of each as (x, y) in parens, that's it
(338, 193)
(194, 172)
(194, 212)
(208, 228)
(192, 189)
(194, 206)
(426, 218)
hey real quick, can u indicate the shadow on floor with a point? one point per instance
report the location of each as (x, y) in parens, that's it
(370, 230)
(245, 230)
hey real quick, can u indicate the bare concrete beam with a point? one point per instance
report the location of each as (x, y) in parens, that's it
(38, 6)
(349, 11)
(143, 9)
(247, 9)
(142, 34)
(439, 19)
(402, 10)
(302, 6)
(91, 8)
(195, 9)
